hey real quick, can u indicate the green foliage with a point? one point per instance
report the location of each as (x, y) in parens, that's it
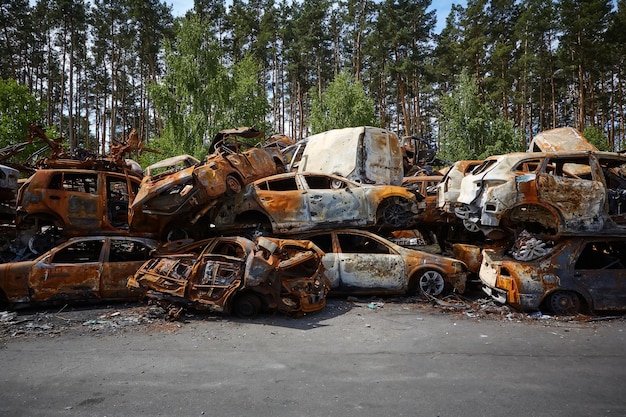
(18, 108)
(596, 137)
(200, 96)
(471, 129)
(343, 104)
(248, 101)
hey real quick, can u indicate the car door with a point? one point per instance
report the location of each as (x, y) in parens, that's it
(70, 272)
(123, 257)
(600, 269)
(283, 201)
(332, 200)
(561, 184)
(220, 272)
(117, 201)
(216, 278)
(364, 265)
(74, 197)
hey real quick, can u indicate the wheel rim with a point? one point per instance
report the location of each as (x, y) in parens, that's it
(394, 215)
(233, 184)
(471, 226)
(532, 249)
(564, 303)
(462, 212)
(431, 283)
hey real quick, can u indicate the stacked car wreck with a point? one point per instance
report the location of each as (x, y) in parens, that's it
(366, 195)
(565, 211)
(279, 226)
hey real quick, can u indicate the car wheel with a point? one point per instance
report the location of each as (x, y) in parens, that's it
(463, 212)
(564, 303)
(233, 185)
(530, 249)
(431, 283)
(247, 306)
(44, 240)
(176, 234)
(471, 226)
(394, 214)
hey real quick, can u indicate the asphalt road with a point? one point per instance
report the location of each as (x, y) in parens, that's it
(352, 359)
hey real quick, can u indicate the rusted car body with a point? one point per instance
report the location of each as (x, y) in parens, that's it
(170, 204)
(234, 273)
(8, 182)
(294, 202)
(365, 154)
(427, 185)
(82, 269)
(449, 187)
(292, 155)
(362, 263)
(553, 193)
(8, 190)
(560, 139)
(75, 202)
(417, 154)
(576, 274)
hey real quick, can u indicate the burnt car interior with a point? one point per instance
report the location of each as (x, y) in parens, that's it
(80, 252)
(128, 251)
(602, 255)
(280, 184)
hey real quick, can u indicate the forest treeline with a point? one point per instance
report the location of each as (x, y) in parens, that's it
(103, 67)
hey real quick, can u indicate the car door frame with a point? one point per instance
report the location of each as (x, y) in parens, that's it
(50, 280)
(326, 205)
(336, 265)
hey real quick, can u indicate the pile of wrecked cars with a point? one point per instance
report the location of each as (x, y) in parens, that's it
(279, 226)
(554, 225)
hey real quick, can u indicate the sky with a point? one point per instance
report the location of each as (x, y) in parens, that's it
(180, 7)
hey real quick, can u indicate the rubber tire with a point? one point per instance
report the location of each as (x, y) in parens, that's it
(233, 186)
(564, 303)
(247, 306)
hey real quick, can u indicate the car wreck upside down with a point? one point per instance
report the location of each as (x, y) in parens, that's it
(235, 274)
(177, 193)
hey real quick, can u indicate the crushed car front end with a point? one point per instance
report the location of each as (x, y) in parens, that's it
(522, 285)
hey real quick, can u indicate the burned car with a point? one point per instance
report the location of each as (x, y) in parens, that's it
(362, 263)
(576, 274)
(560, 139)
(295, 202)
(365, 154)
(551, 193)
(426, 185)
(235, 274)
(171, 201)
(73, 202)
(449, 187)
(8, 192)
(418, 155)
(82, 269)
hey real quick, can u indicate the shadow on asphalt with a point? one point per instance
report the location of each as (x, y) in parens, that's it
(334, 307)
